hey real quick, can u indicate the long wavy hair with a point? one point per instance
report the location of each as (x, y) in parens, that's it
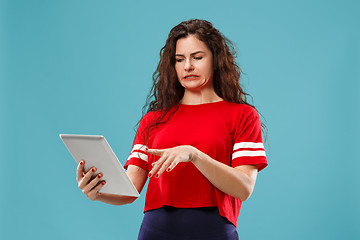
(167, 91)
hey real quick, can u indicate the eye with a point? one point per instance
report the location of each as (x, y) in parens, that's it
(179, 60)
(198, 58)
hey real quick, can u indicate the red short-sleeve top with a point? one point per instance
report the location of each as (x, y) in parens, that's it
(228, 132)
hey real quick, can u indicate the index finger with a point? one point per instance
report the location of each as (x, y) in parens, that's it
(157, 152)
(80, 170)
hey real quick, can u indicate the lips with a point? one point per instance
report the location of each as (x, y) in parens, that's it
(191, 77)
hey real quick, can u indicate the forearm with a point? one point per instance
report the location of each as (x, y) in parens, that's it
(114, 199)
(232, 181)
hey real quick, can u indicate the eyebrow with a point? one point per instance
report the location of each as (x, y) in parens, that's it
(191, 54)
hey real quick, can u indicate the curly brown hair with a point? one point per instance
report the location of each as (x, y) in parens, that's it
(167, 91)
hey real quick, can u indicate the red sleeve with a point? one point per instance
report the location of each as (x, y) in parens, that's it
(248, 146)
(137, 156)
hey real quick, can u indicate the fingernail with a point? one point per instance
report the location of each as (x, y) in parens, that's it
(100, 175)
(103, 183)
(81, 163)
(150, 175)
(168, 169)
(93, 169)
(157, 175)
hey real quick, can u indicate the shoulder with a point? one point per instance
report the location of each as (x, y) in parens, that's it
(241, 110)
(149, 118)
(152, 117)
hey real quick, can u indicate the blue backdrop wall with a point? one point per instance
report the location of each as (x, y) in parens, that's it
(85, 67)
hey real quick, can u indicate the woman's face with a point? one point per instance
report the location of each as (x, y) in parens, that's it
(194, 64)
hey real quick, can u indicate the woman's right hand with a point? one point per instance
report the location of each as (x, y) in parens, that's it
(89, 187)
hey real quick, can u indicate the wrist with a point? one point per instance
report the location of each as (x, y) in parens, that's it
(195, 155)
(97, 197)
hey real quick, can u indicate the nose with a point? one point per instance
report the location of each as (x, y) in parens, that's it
(188, 65)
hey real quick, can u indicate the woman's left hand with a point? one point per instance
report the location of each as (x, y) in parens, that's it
(170, 157)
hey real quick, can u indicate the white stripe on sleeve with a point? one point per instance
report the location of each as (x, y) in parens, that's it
(139, 155)
(139, 147)
(248, 145)
(248, 154)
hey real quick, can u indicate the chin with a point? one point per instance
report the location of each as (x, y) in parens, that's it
(194, 86)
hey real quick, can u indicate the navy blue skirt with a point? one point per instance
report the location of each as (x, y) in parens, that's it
(169, 223)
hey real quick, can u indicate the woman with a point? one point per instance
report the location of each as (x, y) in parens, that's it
(199, 143)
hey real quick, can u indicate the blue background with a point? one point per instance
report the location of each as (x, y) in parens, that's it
(85, 67)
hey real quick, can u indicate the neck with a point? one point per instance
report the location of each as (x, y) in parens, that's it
(200, 97)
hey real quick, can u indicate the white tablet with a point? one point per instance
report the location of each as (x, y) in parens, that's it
(97, 153)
